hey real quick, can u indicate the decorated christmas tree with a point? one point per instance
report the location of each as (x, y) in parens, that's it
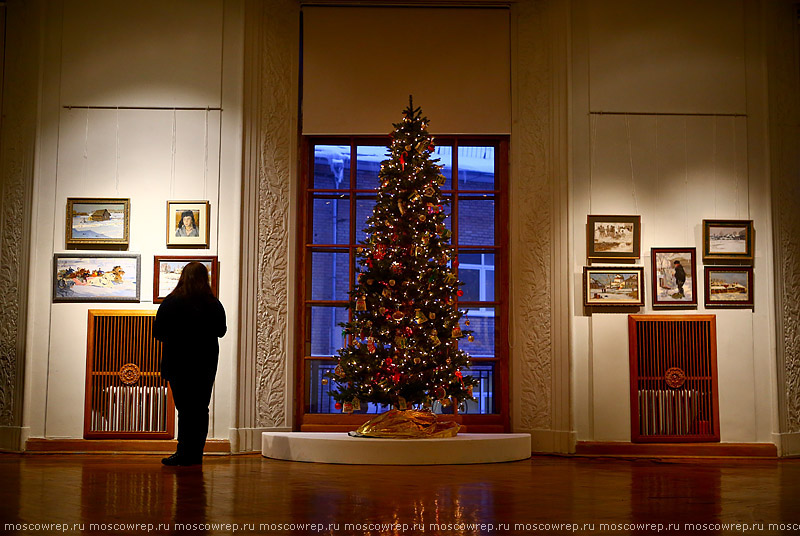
(402, 339)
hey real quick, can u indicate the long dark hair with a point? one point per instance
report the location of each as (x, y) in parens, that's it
(193, 281)
(183, 215)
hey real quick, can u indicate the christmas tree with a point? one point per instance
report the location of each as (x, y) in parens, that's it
(403, 334)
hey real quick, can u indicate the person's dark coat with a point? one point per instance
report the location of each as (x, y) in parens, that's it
(189, 327)
(680, 274)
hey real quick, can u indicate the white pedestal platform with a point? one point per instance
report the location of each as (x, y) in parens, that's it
(325, 447)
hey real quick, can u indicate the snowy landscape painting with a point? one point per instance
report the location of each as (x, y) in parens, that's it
(92, 277)
(674, 276)
(615, 237)
(167, 271)
(729, 286)
(727, 239)
(97, 221)
(613, 286)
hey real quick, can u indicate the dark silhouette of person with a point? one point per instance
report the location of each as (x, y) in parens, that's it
(189, 322)
(680, 276)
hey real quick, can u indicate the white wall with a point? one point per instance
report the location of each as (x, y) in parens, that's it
(146, 63)
(667, 124)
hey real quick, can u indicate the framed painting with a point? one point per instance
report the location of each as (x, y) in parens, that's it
(613, 237)
(613, 286)
(729, 286)
(188, 223)
(96, 277)
(674, 276)
(728, 239)
(97, 221)
(167, 271)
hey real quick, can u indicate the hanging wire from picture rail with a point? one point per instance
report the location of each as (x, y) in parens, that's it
(86, 151)
(116, 160)
(174, 149)
(685, 182)
(205, 158)
(165, 108)
(630, 159)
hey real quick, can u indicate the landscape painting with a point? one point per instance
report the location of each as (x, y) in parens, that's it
(167, 271)
(97, 221)
(96, 277)
(674, 276)
(616, 285)
(728, 286)
(728, 239)
(613, 237)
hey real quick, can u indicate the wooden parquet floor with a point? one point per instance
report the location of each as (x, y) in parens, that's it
(248, 494)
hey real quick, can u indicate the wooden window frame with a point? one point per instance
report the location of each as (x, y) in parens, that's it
(498, 422)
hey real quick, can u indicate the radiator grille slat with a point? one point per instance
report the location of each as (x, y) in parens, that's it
(125, 395)
(673, 365)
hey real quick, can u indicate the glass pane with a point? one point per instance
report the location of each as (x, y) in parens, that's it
(476, 168)
(364, 207)
(445, 155)
(368, 164)
(332, 166)
(331, 220)
(481, 323)
(329, 275)
(476, 221)
(483, 391)
(326, 333)
(476, 270)
(318, 398)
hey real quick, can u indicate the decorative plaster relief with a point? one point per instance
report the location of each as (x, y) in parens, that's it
(274, 156)
(533, 196)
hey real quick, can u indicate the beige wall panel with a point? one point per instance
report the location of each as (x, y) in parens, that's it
(735, 366)
(611, 381)
(682, 56)
(361, 64)
(147, 53)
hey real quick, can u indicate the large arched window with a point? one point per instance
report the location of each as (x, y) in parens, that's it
(339, 177)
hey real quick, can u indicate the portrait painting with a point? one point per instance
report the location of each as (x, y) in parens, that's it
(167, 271)
(97, 221)
(188, 224)
(728, 239)
(613, 237)
(96, 277)
(729, 286)
(674, 276)
(613, 286)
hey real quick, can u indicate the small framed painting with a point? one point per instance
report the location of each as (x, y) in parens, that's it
(95, 277)
(167, 271)
(613, 286)
(188, 223)
(613, 237)
(97, 221)
(728, 239)
(674, 276)
(729, 286)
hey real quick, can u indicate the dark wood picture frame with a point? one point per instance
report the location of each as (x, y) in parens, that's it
(664, 288)
(722, 240)
(94, 216)
(604, 234)
(160, 290)
(94, 277)
(612, 294)
(729, 286)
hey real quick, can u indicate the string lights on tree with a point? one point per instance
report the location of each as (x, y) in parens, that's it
(403, 337)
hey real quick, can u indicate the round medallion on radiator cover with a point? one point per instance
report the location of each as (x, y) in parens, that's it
(675, 377)
(129, 373)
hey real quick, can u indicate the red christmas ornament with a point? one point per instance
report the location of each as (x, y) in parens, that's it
(388, 360)
(338, 405)
(460, 292)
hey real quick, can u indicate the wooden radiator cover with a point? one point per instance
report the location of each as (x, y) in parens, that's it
(125, 395)
(673, 365)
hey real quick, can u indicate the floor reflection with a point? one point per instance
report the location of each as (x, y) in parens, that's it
(250, 494)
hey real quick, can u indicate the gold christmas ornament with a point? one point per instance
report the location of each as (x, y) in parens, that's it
(471, 338)
(324, 381)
